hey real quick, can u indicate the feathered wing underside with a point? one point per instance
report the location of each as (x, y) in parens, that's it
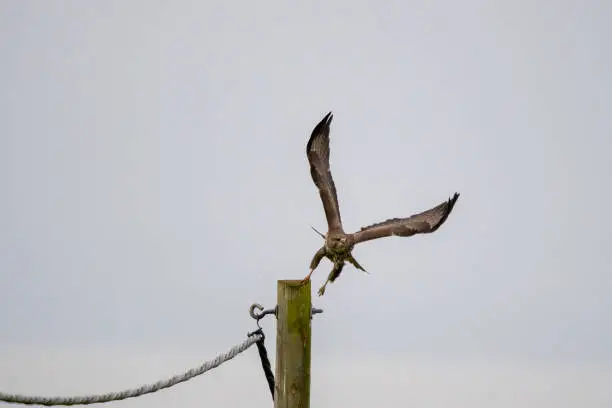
(317, 151)
(425, 222)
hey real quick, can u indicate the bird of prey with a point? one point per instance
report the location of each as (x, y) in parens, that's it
(338, 245)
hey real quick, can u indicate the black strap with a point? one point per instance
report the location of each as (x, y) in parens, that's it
(265, 362)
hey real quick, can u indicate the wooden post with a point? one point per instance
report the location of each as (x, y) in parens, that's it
(293, 345)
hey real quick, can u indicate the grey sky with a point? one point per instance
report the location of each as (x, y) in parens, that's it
(155, 184)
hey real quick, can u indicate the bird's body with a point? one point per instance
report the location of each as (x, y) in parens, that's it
(338, 248)
(338, 245)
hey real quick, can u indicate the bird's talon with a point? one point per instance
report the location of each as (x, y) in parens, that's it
(307, 278)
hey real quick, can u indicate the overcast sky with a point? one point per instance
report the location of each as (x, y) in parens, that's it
(154, 183)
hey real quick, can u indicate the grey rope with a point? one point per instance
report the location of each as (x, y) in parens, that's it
(136, 392)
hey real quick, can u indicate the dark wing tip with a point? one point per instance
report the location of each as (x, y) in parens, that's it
(447, 210)
(327, 118)
(452, 201)
(323, 125)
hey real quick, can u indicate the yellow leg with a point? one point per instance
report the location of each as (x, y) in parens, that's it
(307, 278)
(322, 289)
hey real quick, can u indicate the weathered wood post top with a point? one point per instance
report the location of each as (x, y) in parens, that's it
(293, 345)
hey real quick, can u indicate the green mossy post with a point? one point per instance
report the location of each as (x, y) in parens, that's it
(293, 345)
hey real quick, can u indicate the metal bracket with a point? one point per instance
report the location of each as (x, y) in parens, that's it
(259, 316)
(262, 313)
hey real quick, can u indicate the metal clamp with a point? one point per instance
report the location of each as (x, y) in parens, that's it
(262, 313)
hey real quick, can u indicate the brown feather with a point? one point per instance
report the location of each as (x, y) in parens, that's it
(317, 151)
(422, 223)
(336, 271)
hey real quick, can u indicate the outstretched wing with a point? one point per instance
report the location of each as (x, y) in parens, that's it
(425, 222)
(317, 151)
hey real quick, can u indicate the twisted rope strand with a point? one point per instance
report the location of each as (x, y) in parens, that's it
(135, 392)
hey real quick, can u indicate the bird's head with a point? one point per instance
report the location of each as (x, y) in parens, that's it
(339, 239)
